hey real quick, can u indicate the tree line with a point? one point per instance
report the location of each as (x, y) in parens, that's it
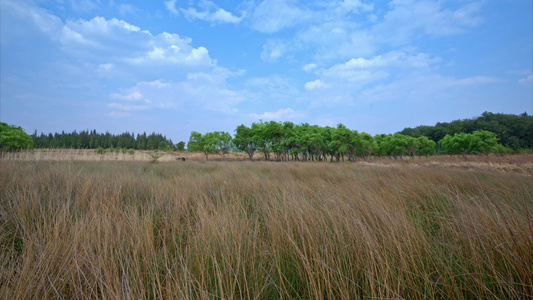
(92, 140)
(512, 131)
(497, 133)
(286, 141)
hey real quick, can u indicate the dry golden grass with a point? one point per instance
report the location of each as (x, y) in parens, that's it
(92, 155)
(254, 230)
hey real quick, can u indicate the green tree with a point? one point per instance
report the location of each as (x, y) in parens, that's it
(366, 145)
(196, 143)
(244, 140)
(180, 146)
(425, 146)
(459, 144)
(482, 142)
(261, 138)
(222, 142)
(13, 138)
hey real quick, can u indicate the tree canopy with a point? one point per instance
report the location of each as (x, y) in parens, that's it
(13, 138)
(513, 131)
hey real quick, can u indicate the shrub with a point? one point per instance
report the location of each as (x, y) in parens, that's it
(13, 138)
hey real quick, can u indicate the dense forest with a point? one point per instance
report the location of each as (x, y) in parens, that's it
(93, 140)
(513, 131)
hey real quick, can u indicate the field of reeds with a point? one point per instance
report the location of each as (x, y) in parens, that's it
(81, 229)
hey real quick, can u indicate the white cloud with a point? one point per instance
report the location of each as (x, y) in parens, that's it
(407, 19)
(105, 67)
(309, 67)
(160, 84)
(129, 96)
(478, 80)
(313, 85)
(281, 114)
(121, 107)
(120, 41)
(217, 16)
(338, 30)
(527, 80)
(171, 6)
(273, 50)
(379, 67)
(271, 16)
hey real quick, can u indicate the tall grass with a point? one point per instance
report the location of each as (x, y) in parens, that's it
(256, 230)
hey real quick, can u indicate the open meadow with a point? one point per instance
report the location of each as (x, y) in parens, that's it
(115, 226)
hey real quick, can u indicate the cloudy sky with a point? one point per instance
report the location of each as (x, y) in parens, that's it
(176, 66)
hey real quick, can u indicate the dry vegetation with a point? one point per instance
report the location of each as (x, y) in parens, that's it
(421, 229)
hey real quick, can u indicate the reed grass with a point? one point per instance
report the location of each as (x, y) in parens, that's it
(259, 230)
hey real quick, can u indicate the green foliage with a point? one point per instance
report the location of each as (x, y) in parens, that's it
(512, 131)
(92, 140)
(217, 142)
(100, 150)
(244, 140)
(425, 146)
(195, 143)
(131, 152)
(13, 138)
(479, 142)
(180, 146)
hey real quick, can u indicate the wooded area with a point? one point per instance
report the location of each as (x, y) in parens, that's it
(489, 133)
(93, 140)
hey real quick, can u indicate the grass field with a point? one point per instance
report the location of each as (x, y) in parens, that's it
(442, 228)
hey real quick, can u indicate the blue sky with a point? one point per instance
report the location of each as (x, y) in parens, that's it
(176, 66)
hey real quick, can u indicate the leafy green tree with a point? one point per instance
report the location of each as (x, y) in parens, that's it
(425, 146)
(482, 142)
(410, 145)
(13, 138)
(366, 145)
(513, 131)
(261, 138)
(396, 145)
(180, 146)
(222, 142)
(244, 140)
(196, 143)
(288, 142)
(209, 144)
(273, 135)
(459, 144)
(342, 139)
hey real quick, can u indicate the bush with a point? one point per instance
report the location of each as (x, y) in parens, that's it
(100, 150)
(131, 152)
(13, 138)
(500, 149)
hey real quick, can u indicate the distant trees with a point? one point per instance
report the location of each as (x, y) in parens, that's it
(217, 142)
(425, 146)
(284, 141)
(478, 142)
(513, 131)
(245, 141)
(180, 146)
(13, 138)
(93, 140)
